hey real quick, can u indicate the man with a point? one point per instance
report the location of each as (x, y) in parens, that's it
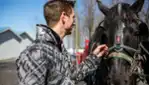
(46, 61)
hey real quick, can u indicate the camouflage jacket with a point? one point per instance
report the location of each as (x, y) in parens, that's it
(46, 62)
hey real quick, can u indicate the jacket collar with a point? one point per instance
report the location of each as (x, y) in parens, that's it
(45, 33)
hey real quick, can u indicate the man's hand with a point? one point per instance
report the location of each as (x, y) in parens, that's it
(100, 50)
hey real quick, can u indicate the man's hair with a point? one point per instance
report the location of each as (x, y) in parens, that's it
(53, 10)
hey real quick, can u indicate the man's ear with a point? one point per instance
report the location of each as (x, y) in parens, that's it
(63, 17)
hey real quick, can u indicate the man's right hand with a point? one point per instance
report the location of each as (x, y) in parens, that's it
(100, 50)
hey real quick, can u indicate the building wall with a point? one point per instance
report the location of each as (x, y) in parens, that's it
(11, 46)
(25, 42)
(9, 49)
(69, 41)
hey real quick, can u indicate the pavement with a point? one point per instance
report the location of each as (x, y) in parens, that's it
(8, 74)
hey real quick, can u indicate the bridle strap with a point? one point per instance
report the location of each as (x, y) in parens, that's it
(121, 55)
(122, 46)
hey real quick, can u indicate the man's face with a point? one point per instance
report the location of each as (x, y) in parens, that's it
(69, 23)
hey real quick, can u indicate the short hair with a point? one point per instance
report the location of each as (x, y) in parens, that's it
(53, 10)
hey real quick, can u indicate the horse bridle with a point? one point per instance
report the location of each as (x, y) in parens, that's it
(118, 47)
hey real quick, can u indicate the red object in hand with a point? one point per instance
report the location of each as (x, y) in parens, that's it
(85, 53)
(78, 57)
(82, 56)
(86, 43)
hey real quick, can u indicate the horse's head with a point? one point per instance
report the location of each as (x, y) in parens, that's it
(122, 22)
(122, 31)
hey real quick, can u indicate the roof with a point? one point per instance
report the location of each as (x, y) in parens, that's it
(7, 30)
(27, 35)
(19, 36)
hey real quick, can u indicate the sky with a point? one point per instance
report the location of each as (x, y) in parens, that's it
(23, 15)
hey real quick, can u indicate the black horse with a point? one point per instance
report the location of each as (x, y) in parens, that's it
(123, 31)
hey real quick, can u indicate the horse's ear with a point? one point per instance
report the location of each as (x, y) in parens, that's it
(137, 5)
(104, 9)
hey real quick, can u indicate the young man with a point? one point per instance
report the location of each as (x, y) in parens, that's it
(46, 61)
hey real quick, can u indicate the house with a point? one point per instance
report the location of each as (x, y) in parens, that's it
(11, 44)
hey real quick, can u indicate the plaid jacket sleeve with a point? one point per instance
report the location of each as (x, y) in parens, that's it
(89, 65)
(32, 67)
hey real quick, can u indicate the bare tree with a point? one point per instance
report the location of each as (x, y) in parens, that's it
(114, 1)
(89, 18)
(125, 1)
(117, 1)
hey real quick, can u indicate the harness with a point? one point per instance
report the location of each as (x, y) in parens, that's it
(121, 56)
